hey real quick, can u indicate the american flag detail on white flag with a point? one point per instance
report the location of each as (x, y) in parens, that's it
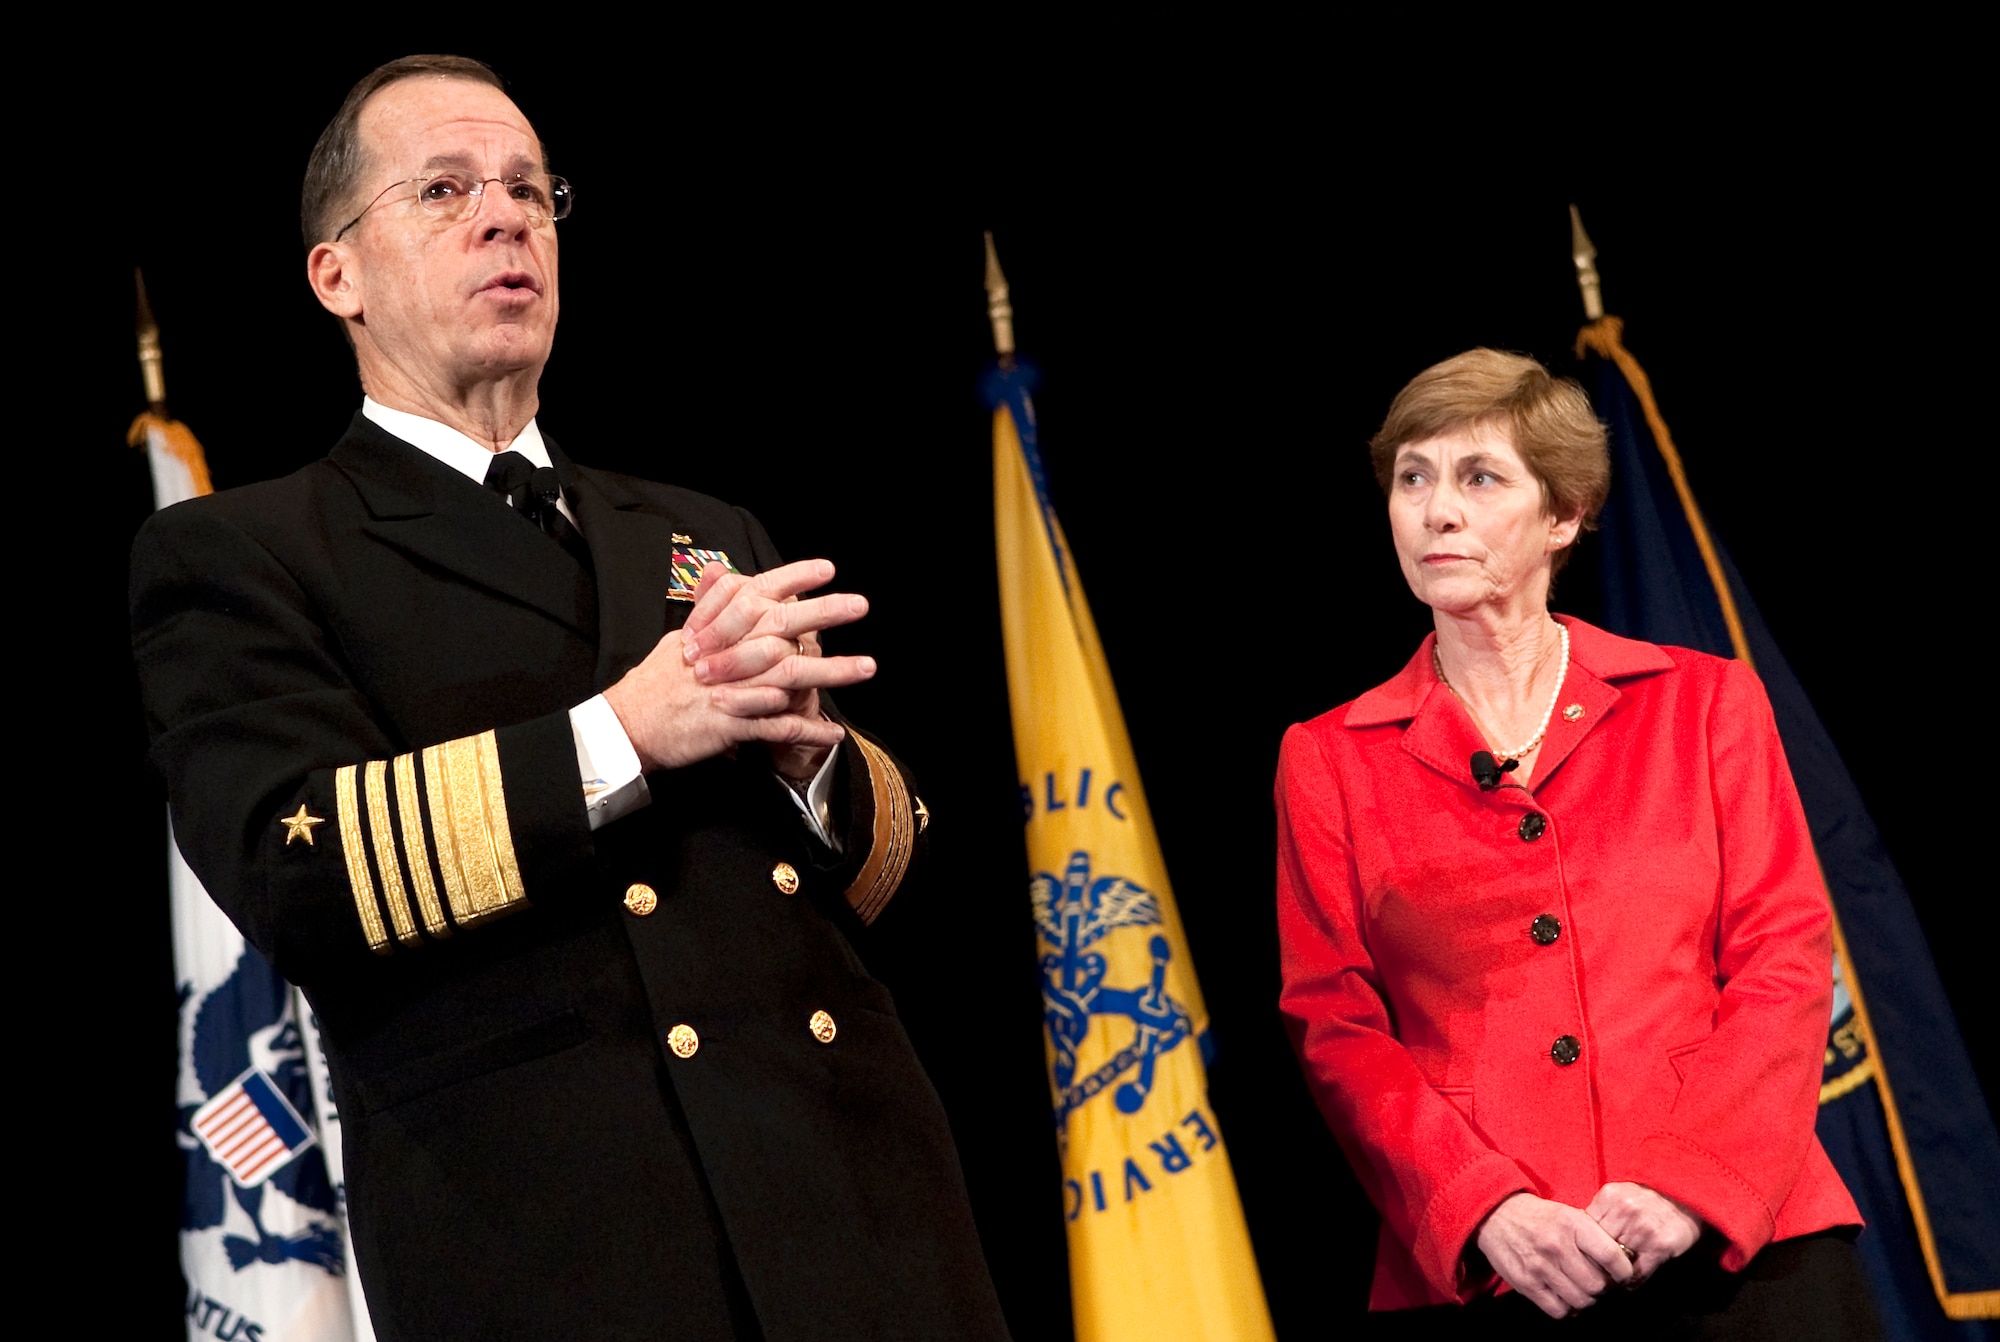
(251, 1129)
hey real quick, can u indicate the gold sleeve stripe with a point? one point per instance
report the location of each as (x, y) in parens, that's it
(483, 854)
(464, 799)
(893, 840)
(436, 791)
(348, 805)
(468, 822)
(410, 814)
(497, 828)
(375, 779)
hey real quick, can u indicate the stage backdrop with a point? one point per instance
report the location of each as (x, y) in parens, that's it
(771, 292)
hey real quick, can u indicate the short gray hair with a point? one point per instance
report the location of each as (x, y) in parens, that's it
(338, 157)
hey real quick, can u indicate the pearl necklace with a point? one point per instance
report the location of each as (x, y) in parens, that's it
(1562, 674)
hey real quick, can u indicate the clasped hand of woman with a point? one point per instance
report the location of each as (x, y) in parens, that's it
(1563, 1259)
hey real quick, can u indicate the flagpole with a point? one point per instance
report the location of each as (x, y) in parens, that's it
(1585, 256)
(999, 310)
(150, 366)
(180, 468)
(1606, 337)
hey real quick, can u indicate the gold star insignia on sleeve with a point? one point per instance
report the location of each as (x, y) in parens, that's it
(300, 826)
(923, 815)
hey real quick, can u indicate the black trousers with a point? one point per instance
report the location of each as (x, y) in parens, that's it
(1809, 1287)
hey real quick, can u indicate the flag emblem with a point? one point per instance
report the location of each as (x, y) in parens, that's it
(251, 1129)
(1071, 913)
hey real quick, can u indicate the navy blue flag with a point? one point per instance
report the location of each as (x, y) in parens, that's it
(1901, 1113)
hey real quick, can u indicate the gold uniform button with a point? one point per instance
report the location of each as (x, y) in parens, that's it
(786, 877)
(640, 899)
(822, 1027)
(683, 1041)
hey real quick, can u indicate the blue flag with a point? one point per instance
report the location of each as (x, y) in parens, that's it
(1901, 1113)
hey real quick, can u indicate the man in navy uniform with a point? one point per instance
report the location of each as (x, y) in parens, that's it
(522, 771)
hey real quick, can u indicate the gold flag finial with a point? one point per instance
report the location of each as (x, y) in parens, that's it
(149, 350)
(998, 310)
(1585, 256)
(162, 437)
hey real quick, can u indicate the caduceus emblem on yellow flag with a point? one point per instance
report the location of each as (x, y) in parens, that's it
(1158, 1248)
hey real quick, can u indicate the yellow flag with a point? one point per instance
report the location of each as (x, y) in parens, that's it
(1158, 1249)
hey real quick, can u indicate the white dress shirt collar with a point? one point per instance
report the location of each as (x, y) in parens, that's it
(448, 445)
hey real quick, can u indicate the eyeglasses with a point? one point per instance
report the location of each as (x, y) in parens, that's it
(451, 195)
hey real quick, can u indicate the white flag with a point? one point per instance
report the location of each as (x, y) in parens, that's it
(264, 1242)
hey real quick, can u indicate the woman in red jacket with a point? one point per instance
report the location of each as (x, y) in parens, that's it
(1557, 956)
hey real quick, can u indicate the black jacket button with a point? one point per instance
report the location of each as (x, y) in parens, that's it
(1565, 1049)
(1533, 824)
(1545, 929)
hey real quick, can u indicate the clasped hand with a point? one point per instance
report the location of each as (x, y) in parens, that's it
(1563, 1259)
(744, 667)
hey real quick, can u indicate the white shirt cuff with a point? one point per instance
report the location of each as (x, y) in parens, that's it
(812, 800)
(614, 785)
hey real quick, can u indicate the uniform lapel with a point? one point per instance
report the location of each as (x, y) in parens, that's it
(425, 509)
(632, 546)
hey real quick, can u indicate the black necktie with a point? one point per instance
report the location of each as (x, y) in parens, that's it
(533, 491)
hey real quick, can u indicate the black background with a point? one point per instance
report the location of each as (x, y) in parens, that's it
(1225, 261)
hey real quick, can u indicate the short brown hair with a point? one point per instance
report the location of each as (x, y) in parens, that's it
(338, 157)
(1548, 419)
